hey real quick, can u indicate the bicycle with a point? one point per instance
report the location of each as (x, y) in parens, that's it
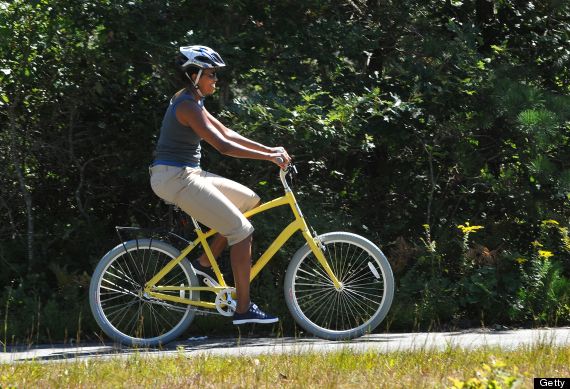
(338, 285)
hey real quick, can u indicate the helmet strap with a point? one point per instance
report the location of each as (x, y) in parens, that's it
(195, 82)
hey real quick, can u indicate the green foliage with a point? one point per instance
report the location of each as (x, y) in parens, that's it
(400, 115)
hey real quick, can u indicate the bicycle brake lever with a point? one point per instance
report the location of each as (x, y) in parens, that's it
(291, 172)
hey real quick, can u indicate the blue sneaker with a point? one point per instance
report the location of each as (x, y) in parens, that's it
(254, 315)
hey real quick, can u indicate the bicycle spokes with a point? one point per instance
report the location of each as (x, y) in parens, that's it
(358, 299)
(123, 301)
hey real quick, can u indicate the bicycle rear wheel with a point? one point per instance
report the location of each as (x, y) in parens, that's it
(358, 306)
(119, 304)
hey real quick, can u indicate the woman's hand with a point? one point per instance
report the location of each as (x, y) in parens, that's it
(280, 157)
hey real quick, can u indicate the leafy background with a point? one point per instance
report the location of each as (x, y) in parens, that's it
(407, 119)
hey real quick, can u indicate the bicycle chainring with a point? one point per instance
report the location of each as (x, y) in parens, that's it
(225, 303)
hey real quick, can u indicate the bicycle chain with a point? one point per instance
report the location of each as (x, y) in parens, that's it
(202, 312)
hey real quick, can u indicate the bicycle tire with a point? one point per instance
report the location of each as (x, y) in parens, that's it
(119, 305)
(356, 309)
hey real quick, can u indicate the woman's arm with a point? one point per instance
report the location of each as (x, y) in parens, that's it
(190, 114)
(242, 140)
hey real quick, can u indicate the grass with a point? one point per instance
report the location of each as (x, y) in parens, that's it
(453, 367)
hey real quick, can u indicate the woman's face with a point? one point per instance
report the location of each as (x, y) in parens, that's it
(207, 82)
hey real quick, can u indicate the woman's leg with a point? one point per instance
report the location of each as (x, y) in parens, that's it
(218, 203)
(240, 257)
(240, 195)
(240, 254)
(217, 245)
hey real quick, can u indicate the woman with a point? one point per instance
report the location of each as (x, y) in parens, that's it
(214, 201)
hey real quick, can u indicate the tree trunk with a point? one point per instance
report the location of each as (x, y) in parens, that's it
(17, 162)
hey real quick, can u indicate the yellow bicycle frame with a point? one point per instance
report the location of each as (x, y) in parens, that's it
(152, 290)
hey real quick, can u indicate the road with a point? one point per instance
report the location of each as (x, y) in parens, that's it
(507, 339)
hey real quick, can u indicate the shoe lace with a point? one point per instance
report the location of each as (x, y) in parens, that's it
(255, 309)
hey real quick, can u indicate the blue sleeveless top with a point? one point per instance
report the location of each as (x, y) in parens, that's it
(178, 145)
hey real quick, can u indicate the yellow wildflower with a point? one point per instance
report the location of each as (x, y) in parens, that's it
(520, 260)
(536, 243)
(467, 229)
(550, 222)
(545, 254)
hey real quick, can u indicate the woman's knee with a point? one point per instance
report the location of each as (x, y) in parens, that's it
(240, 233)
(252, 202)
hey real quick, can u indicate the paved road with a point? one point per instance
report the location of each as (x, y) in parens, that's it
(254, 346)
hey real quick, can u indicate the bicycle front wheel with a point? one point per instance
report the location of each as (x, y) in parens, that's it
(358, 306)
(118, 301)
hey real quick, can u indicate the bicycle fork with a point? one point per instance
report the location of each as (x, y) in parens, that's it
(313, 241)
(316, 249)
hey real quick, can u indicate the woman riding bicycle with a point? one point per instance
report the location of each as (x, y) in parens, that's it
(214, 201)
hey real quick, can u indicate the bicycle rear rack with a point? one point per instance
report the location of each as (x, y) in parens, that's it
(161, 233)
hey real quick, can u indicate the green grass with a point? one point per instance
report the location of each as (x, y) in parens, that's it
(478, 368)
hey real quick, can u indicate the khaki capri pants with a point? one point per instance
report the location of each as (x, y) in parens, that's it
(212, 200)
